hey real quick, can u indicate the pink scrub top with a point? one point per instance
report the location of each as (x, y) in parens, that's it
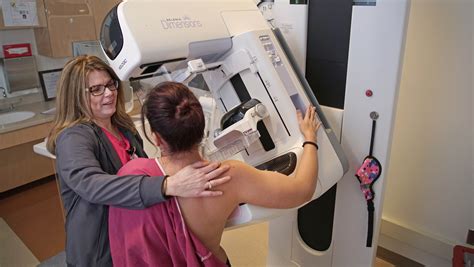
(121, 145)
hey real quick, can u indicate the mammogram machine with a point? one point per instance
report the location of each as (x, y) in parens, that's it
(242, 72)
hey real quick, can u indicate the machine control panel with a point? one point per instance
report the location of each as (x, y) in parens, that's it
(270, 49)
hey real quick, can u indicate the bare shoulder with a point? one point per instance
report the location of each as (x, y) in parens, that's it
(233, 163)
(240, 170)
(237, 166)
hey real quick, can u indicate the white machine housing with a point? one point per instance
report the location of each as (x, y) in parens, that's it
(243, 60)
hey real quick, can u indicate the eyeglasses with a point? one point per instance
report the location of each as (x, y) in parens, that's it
(97, 90)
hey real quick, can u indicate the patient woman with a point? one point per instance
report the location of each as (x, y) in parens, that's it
(188, 231)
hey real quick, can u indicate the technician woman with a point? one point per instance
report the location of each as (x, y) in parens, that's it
(92, 138)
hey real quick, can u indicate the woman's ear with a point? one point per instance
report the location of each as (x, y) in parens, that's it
(160, 142)
(156, 139)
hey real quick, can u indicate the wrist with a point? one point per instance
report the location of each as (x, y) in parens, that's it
(311, 143)
(164, 187)
(311, 137)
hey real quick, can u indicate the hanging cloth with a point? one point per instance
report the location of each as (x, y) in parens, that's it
(367, 174)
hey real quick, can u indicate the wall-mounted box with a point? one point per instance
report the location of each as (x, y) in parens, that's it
(20, 74)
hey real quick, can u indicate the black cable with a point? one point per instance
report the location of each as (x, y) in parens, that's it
(372, 137)
(370, 225)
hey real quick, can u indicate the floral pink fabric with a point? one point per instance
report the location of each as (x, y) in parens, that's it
(367, 174)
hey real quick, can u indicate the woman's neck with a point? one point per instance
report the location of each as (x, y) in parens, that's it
(173, 162)
(106, 124)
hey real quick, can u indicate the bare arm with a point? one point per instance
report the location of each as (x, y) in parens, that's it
(275, 190)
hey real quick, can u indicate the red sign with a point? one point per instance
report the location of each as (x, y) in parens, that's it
(17, 50)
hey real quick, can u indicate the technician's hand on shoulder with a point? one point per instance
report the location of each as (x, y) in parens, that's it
(197, 180)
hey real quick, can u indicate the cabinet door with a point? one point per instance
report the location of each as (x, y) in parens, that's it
(100, 10)
(68, 21)
(65, 30)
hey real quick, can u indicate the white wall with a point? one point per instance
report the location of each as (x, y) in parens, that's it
(430, 186)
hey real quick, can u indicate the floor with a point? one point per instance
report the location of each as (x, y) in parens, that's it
(14, 251)
(33, 212)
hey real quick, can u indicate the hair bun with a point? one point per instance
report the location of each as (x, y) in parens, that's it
(183, 109)
(174, 112)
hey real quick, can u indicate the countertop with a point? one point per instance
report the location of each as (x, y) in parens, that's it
(36, 104)
(37, 119)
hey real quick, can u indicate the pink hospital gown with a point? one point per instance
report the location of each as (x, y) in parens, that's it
(157, 235)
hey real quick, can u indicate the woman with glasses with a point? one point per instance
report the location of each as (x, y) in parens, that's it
(92, 137)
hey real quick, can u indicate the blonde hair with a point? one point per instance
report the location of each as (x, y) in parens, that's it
(73, 101)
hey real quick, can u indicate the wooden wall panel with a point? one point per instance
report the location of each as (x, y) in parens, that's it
(21, 136)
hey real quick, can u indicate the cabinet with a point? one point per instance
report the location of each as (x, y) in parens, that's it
(69, 21)
(19, 165)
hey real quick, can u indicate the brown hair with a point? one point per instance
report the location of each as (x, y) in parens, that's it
(72, 100)
(175, 114)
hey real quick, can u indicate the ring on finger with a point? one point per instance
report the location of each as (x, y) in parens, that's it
(209, 185)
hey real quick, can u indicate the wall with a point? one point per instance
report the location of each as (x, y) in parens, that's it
(430, 188)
